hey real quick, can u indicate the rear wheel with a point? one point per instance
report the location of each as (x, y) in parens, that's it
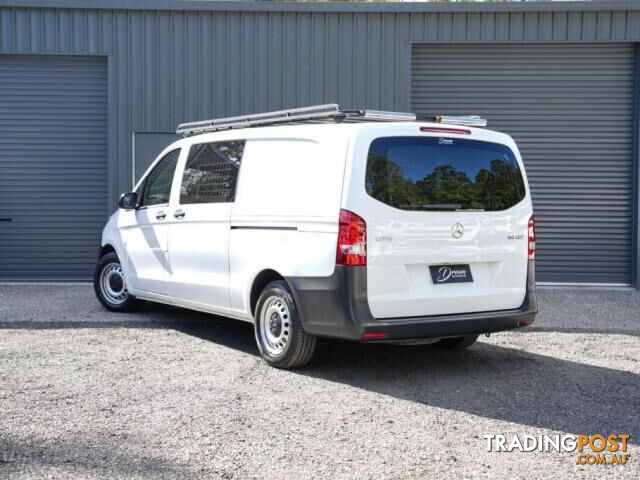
(457, 343)
(281, 340)
(110, 285)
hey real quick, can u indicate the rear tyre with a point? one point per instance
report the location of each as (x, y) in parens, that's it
(457, 343)
(281, 340)
(110, 285)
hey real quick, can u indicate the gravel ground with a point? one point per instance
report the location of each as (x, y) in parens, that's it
(168, 393)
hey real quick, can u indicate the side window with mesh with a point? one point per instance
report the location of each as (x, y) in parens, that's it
(211, 172)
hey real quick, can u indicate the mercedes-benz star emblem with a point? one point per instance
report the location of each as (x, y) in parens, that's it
(457, 230)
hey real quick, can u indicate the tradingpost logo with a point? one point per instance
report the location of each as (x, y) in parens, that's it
(595, 449)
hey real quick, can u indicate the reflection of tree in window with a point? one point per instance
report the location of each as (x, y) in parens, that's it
(211, 172)
(386, 182)
(424, 175)
(445, 185)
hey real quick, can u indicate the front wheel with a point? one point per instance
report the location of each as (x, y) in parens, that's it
(110, 286)
(281, 340)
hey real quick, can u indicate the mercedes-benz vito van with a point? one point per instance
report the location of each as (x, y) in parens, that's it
(323, 222)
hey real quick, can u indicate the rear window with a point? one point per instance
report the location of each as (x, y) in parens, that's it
(443, 174)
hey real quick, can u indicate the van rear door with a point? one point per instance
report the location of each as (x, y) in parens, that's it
(446, 224)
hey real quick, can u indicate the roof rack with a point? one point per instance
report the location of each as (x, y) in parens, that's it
(331, 112)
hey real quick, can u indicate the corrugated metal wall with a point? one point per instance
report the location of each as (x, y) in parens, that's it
(192, 60)
(570, 109)
(170, 66)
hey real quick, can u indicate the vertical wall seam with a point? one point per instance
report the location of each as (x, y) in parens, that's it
(283, 53)
(367, 60)
(269, 70)
(143, 79)
(610, 26)
(99, 44)
(354, 43)
(256, 43)
(27, 31)
(539, 20)
(297, 72)
(395, 85)
(635, 227)
(71, 31)
(339, 62)
(129, 124)
(85, 19)
(226, 62)
(312, 64)
(238, 81)
(626, 25)
(156, 82)
(185, 77)
(382, 52)
(324, 57)
(466, 27)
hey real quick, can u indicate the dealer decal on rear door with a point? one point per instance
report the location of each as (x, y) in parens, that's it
(450, 274)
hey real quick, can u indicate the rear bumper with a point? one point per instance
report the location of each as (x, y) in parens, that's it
(337, 306)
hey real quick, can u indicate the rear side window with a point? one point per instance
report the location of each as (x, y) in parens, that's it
(443, 174)
(211, 172)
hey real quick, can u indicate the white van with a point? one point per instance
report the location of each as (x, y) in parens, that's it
(322, 222)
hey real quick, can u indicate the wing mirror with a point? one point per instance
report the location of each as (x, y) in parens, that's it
(128, 201)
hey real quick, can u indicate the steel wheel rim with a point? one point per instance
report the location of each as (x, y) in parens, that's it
(112, 284)
(275, 325)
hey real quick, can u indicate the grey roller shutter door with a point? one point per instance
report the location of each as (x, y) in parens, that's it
(570, 109)
(53, 166)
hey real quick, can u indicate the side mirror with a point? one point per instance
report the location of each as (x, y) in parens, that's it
(128, 201)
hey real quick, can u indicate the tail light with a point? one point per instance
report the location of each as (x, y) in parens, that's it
(531, 234)
(352, 240)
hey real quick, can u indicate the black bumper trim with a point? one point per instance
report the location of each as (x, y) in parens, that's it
(336, 306)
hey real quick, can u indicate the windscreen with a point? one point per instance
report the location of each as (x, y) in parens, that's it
(443, 174)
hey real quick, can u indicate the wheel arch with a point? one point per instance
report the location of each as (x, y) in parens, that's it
(106, 248)
(114, 245)
(261, 280)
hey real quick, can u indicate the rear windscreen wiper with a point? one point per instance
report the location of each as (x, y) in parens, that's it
(447, 207)
(441, 207)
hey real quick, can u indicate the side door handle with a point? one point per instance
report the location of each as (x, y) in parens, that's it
(161, 215)
(179, 213)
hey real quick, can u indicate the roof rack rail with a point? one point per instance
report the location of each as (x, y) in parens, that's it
(331, 112)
